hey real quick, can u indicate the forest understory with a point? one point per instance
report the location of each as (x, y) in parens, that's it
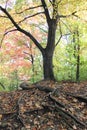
(45, 105)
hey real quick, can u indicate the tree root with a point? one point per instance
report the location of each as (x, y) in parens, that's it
(66, 116)
(80, 98)
(46, 89)
(57, 102)
(55, 106)
(19, 112)
(64, 113)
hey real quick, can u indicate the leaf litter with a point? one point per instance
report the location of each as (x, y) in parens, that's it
(64, 108)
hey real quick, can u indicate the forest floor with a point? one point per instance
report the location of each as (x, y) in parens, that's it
(45, 105)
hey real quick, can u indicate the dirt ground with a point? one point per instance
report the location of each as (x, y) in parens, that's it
(45, 105)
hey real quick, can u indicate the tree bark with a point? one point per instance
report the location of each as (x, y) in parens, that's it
(76, 53)
(48, 67)
(78, 58)
(49, 51)
(78, 65)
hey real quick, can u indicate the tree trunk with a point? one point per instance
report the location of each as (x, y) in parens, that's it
(48, 67)
(78, 57)
(76, 53)
(48, 52)
(78, 64)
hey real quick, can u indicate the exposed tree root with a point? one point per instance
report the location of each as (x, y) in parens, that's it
(46, 89)
(64, 113)
(80, 98)
(48, 104)
(60, 107)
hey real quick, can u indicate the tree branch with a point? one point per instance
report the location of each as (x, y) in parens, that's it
(22, 30)
(73, 14)
(3, 16)
(66, 16)
(2, 85)
(10, 31)
(6, 34)
(60, 34)
(46, 11)
(59, 40)
(67, 26)
(41, 28)
(30, 8)
(59, 1)
(6, 4)
(30, 16)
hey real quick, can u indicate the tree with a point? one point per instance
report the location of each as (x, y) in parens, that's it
(77, 52)
(53, 16)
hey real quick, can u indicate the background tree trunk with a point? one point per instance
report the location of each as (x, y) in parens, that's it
(76, 53)
(78, 59)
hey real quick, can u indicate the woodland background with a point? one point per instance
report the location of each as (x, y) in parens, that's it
(43, 39)
(20, 60)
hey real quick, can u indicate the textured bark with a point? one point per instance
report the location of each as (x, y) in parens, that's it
(78, 64)
(48, 68)
(77, 53)
(48, 52)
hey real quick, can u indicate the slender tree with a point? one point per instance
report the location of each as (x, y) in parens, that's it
(77, 52)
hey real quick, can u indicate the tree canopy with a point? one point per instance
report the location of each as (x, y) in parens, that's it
(52, 20)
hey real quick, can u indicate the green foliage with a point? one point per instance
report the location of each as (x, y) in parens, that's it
(14, 81)
(19, 4)
(10, 82)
